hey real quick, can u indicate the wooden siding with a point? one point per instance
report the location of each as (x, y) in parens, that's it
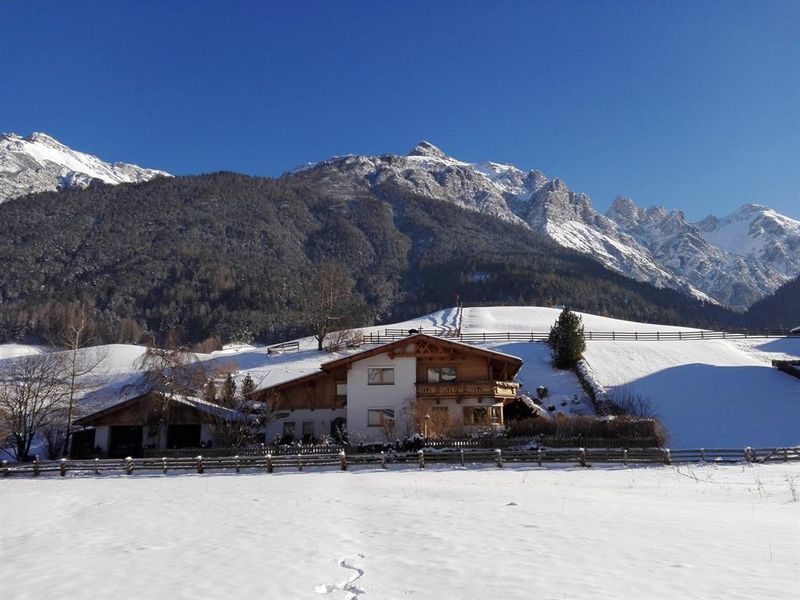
(140, 410)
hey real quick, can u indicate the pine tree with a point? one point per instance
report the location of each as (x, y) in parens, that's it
(228, 394)
(248, 387)
(210, 391)
(567, 340)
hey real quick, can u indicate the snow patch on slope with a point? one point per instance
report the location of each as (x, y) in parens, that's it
(39, 163)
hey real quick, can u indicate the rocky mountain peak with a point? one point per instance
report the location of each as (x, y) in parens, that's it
(40, 163)
(649, 244)
(425, 148)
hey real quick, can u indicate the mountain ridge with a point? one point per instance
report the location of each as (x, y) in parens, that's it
(40, 163)
(732, 260)
(656, 245)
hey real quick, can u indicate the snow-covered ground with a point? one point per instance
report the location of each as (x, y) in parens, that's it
(708, 393)
(565, 394)
(657, 533)
(720, 392)
(13, 350)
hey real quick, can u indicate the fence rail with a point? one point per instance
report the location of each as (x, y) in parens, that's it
(285, 347)
(583, 457)
(389, 335)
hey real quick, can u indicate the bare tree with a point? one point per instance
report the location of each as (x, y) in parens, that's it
(74, 334)
(237, 421)
(33, 393)
(172, 373)
(330, 301)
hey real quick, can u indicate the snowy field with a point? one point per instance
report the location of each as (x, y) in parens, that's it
(722, 393)
(556, 533)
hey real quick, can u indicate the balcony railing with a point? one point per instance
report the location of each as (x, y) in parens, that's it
(495, 389)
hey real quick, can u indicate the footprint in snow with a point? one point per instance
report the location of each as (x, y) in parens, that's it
(347, 585)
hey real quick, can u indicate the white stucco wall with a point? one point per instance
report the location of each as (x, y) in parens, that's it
(101, 434)
(321, 418)
(361, 397)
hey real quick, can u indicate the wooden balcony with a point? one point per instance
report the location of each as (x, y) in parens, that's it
(500, 390)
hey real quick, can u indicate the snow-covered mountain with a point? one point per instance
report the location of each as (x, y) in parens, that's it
(39, 163)
(733, 260)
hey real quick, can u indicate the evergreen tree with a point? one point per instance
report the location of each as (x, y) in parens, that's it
(210, 391)
(228, 394)
(248, 387)
(567, 340)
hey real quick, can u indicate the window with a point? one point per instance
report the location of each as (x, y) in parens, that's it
(380, 376)
(288, 428)
(341, 388)
(497, 415)
(440, 413)
(476, 415)
(437, 422)
(441, 374)
(380, 417)
(308, 431)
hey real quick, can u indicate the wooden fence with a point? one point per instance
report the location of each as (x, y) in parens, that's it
(389, 335)
(268, 463)
(285, 347)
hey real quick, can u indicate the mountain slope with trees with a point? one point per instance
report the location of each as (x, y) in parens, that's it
(778, 310)
(231, 257)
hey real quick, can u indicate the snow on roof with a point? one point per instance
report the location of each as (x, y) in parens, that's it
(712, 391)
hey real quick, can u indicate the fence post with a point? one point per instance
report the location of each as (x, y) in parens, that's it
(785, 455)
(462, 456)
(582, 456)
(748, 454)
(299, 462)
(164, 464)
(421, 455)
(667, 456)
(498, 457)
(97, 466)
(200, 467)
(539, 456)
(36, 470)
(343, 460)
(702, 455)
(62, 468)
(6, 470)
(383, 460)
(237, 462)
(625, 456)
(269, 463)
(128, 465)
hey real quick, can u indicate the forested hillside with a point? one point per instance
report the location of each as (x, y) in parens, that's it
(781, 309)
(232, 257)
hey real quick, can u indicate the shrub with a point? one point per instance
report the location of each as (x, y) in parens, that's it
(627, 401)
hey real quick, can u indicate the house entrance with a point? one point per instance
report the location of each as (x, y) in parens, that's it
(183, 436)
(82, 444)
(125, 441)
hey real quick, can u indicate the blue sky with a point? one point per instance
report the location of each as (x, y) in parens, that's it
(689, 105)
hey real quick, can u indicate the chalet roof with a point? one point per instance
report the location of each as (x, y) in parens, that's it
(493, 354)
(199, 404)
(299, 378)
